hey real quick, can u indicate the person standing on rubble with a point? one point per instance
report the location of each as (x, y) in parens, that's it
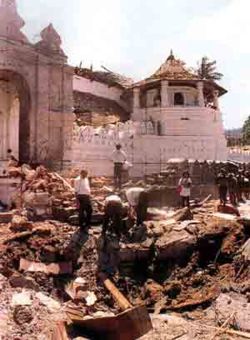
(184, 189)
(119, 157)
(232, 188)
(138, 203)
(83, 195)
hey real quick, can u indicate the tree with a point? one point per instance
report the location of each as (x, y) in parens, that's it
(246, 131)
(207, 70)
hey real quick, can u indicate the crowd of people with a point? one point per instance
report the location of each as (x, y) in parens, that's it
(233, 186)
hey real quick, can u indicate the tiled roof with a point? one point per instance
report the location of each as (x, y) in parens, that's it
(174, 69)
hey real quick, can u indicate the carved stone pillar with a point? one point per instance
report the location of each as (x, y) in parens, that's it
(164, 93)
(216, 100)
(200, 94)
(136, 102)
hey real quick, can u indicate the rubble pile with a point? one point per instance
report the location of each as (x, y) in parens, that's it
(186, 265)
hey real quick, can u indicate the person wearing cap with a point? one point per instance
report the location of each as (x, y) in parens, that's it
(83, 195)
(119, 157)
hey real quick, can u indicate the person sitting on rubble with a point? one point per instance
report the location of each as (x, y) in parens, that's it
(184, 189)
(232, 188)
(113, 214)
(83, 194)
(119, 157)
(138, 203)
(222, 183)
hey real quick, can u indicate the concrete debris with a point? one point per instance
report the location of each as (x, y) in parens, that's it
(53, 268)
(226, 304)
(22, 315)
(90, 298)
(51, 304)
(22, 299)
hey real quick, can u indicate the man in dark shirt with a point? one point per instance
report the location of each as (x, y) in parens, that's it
(222, 183)
(232, 188)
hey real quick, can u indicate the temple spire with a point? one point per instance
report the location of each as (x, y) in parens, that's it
(10, 21)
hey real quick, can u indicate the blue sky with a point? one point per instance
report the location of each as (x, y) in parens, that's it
(134, 37)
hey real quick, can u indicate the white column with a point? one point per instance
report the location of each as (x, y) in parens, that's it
(200, 94)
(136, 102)
(216, 100)
(164, 93)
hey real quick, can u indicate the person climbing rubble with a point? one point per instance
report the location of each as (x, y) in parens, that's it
(138, 203)
(109, 242)
(113, 213)
(184, 188)
(119, 157)
(83, 195)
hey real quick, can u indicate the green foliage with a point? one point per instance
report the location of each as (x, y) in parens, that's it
(207, 70)
(246, 131)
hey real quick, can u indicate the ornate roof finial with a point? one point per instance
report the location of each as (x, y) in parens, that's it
(171, 56)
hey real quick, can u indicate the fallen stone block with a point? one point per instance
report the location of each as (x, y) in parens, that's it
(6, 217)
(53, 268)
(19, 281)
(21, 299)
(175, 244)
(52, 305)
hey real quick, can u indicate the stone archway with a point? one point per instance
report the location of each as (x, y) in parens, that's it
(15, 106)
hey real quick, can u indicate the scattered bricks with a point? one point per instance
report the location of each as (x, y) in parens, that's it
(22, 315)
(6, 217)
(49, 254)
(19, 281)
(20, 223)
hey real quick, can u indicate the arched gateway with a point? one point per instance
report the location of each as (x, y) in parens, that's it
(15, 106)
(35, 92)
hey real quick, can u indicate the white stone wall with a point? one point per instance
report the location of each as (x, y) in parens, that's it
(239, 155)
(148, 152)
(81, 84)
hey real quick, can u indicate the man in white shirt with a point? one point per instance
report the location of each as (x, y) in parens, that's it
(83, 192)
(119, 157)
(138, 202)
